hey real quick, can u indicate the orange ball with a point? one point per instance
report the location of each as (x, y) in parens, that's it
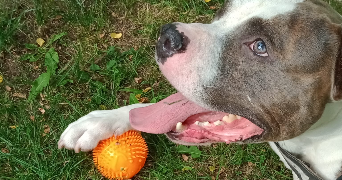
(121, 157)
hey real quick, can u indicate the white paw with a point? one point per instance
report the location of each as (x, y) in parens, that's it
(85, 133)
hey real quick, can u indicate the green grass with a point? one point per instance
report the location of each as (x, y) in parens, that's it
(98, 72)
(9, 24)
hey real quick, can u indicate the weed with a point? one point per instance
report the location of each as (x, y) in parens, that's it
(9, 25)
(51, 63)
(192, 150)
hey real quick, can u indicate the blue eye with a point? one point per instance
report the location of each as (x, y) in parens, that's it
(259, 48)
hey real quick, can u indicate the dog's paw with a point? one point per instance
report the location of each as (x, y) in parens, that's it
(85, 133)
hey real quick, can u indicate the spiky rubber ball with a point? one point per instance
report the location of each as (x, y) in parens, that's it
(121, 157)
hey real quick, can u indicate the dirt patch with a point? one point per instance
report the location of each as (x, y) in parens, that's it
(9, 68)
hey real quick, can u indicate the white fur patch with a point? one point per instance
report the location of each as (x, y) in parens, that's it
(242, 10)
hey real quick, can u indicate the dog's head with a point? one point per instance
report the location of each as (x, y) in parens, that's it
(261, 71)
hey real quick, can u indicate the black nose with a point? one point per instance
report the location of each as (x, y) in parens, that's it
(170, 42)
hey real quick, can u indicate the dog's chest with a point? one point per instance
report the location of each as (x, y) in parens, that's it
(324, 157)
(321, 145)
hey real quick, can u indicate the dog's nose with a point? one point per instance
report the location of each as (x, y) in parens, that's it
(170, 42)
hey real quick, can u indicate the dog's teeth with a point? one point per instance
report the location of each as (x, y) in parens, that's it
(238, 117)
(206, 124)
(217, 123)
(202, 123)
(225, 118)
(230, 118)
(180, 127)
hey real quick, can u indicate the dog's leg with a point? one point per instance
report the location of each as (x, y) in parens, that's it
(85, 133)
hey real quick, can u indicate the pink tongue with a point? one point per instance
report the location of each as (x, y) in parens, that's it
(161, 117)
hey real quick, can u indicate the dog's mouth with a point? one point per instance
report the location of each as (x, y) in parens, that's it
(184, 122)
(213, 127)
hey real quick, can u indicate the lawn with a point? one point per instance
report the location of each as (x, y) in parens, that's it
(83, 66)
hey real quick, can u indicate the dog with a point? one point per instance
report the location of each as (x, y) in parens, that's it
(261, 71)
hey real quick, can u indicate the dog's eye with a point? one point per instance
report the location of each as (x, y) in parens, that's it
(259, 48)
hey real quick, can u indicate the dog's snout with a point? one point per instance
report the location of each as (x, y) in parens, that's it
(170, 42)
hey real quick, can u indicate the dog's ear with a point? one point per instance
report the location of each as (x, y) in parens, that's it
(337, 82)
